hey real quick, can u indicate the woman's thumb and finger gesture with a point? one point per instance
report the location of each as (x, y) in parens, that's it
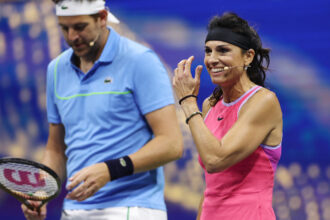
(183, 82)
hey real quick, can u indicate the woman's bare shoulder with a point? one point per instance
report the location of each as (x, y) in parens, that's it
(266, 96)
(263, 102)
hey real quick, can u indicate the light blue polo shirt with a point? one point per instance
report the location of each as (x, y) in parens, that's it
(103, 115)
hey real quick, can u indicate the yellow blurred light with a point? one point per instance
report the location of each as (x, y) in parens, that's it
(322, 187)
(295, 169)
(279, 196)
(284, 177)
(295, 202)
(14, 20)
(21, 73)
(326, 214)
(31, 13)
(35, 30)
(25, 95)
(2, 45)
(313, 171)
(325, 204)
(37, 56)
(308, 193)
(18, 47)
(283, 212)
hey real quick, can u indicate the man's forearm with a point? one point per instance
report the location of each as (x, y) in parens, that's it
(56, 161)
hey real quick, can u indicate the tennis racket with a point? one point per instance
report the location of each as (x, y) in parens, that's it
(28, 180)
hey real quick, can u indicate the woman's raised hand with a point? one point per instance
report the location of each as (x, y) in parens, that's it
(183, 82)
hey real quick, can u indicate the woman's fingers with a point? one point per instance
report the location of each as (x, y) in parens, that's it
(181, 68)
(198, 73)
(187, 66)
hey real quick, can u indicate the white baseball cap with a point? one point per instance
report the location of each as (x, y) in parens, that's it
(84, 7)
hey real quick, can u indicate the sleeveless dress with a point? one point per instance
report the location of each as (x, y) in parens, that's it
(243, 191)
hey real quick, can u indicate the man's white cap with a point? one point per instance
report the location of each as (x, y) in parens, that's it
(83, 7)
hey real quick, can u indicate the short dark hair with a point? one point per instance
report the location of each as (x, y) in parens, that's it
(261, 60)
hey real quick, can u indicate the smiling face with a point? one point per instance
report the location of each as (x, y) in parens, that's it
(225, 62)
(79, 32)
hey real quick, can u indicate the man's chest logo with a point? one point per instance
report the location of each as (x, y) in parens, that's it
(108, 80)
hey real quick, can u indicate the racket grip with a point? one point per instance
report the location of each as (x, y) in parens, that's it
(29, 205)
(32, 207)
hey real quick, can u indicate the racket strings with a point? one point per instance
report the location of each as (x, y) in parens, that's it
(27, 181)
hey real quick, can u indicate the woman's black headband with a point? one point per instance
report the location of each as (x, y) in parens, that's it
(227, 35)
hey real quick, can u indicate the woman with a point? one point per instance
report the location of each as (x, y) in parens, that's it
(239, 135)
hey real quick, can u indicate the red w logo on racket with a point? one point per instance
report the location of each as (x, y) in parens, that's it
(24, 178)
(28, 180)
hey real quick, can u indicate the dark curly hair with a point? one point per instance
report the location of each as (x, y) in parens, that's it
(260, 63)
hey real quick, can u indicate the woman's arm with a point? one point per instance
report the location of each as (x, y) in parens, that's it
(258, 118)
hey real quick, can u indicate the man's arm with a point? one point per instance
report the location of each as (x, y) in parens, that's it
(54, 156)
(166, 146)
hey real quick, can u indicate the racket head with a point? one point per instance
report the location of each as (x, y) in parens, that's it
(28, 180)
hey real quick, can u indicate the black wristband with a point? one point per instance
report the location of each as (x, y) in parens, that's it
(185, 97)
(120, 167)
(192, 115)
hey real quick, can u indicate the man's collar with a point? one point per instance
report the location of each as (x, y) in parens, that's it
(111, 47)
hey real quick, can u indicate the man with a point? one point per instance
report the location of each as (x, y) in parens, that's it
(112, 120)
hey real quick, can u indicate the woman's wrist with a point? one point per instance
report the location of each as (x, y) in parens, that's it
(193, 115)
(189, 107)
(184, 98)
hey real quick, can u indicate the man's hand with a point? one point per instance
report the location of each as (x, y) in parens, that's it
(34, 214)
(88, 181)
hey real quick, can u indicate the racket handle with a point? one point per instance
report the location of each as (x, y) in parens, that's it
(32, 207)
(26, 202)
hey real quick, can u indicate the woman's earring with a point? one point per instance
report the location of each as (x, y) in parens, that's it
(246, 67)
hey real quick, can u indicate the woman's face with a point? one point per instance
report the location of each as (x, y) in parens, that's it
(224, 62)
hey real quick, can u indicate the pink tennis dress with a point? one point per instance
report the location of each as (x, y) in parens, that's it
(243, 191)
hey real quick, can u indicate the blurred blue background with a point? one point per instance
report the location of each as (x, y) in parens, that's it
(298, 32)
